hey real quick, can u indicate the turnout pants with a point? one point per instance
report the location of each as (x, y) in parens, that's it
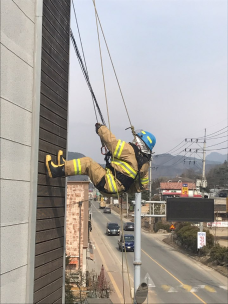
(103, 179)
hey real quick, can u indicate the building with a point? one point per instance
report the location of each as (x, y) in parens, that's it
(174, 188)
(77, 218)
(34, 112)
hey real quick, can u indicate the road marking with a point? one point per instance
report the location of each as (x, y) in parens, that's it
(110, 275)
(209, 288)
(187, 287)
(223, 287)
(171, 275)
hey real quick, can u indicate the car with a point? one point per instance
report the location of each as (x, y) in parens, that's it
(222, 194)
(107, 210)
(112, 229)
(127, 241)
(129, 226)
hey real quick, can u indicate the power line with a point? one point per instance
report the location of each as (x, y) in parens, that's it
(218, 144)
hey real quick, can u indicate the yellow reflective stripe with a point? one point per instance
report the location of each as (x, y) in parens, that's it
(143, 132)
(119, 148)
(144, 180)
(126, 168)
(111, 182)
(148, 137)
(75, 166)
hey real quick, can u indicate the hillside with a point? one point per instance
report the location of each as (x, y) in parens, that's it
(168, 165)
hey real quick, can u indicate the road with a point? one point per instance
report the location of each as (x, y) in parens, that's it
(175, 278)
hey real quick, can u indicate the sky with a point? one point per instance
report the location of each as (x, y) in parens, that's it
(170, 57)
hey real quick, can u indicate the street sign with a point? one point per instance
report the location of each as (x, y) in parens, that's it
(184, 190)
(201, 239)
(172, 227)
(149, 281)
(190, 209)
(141, 293)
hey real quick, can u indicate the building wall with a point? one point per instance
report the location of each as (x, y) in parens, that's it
(34, 104)
(50, 216)
(17, 84)
(76, 192)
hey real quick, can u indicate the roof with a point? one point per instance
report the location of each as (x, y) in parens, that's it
(176, 186)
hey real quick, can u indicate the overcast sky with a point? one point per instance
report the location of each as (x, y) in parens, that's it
(171, 60)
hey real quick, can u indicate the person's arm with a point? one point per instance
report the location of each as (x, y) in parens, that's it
(107, 138)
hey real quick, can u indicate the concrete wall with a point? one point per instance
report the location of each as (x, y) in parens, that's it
(17, 119)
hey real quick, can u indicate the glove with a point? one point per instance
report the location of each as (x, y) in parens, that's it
(97, 126)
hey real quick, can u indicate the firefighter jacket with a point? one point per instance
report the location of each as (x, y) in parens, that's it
(124, 161)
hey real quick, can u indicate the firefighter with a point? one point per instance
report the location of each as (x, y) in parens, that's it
(126, 169)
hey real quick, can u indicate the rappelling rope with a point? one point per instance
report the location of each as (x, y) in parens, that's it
(102, 68)
(132, 127)
(76, 19)
(86, 76)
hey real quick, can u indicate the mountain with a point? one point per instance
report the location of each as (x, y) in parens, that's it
(167, 165)
(215, 156)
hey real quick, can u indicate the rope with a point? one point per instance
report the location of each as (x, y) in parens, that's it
(85, 74)
(102, 68)
(76, 19)
(132, 128)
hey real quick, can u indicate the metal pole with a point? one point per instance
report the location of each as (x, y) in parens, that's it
(137, 253)
(80, 214)
(127, 203)
(203, 173)
(150, 189)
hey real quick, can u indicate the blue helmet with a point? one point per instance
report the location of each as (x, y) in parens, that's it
(148, 138)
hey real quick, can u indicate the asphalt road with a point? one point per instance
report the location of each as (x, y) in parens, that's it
(175, 278)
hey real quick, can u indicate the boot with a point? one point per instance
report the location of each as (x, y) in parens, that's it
(61, 159)
(54, 170)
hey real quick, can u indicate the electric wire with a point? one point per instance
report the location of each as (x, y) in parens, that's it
(213, 133)
(174, 147)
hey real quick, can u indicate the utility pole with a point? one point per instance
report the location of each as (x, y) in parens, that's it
(203, 183)
(204, 162)
(150, 187)
(137, 252)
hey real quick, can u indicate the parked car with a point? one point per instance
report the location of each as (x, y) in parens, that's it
(107, 210)
(129, 226)
(127, 241)
(223, 194)
(112, 229)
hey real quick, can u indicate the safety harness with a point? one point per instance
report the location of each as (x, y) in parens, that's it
(124, 179)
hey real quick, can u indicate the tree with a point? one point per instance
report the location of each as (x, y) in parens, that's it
(218, 176)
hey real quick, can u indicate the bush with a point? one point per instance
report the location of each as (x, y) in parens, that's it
(187, 235)
(219, 254)
(160, 225)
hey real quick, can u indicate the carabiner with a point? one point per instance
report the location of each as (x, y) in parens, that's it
(105, 149)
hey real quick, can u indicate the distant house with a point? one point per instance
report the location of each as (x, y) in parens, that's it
(175, 187)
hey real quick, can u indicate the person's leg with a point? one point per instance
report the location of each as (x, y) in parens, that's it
(85, 166)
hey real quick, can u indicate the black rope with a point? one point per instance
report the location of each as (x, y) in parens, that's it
(75, 15)
(86, 76)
